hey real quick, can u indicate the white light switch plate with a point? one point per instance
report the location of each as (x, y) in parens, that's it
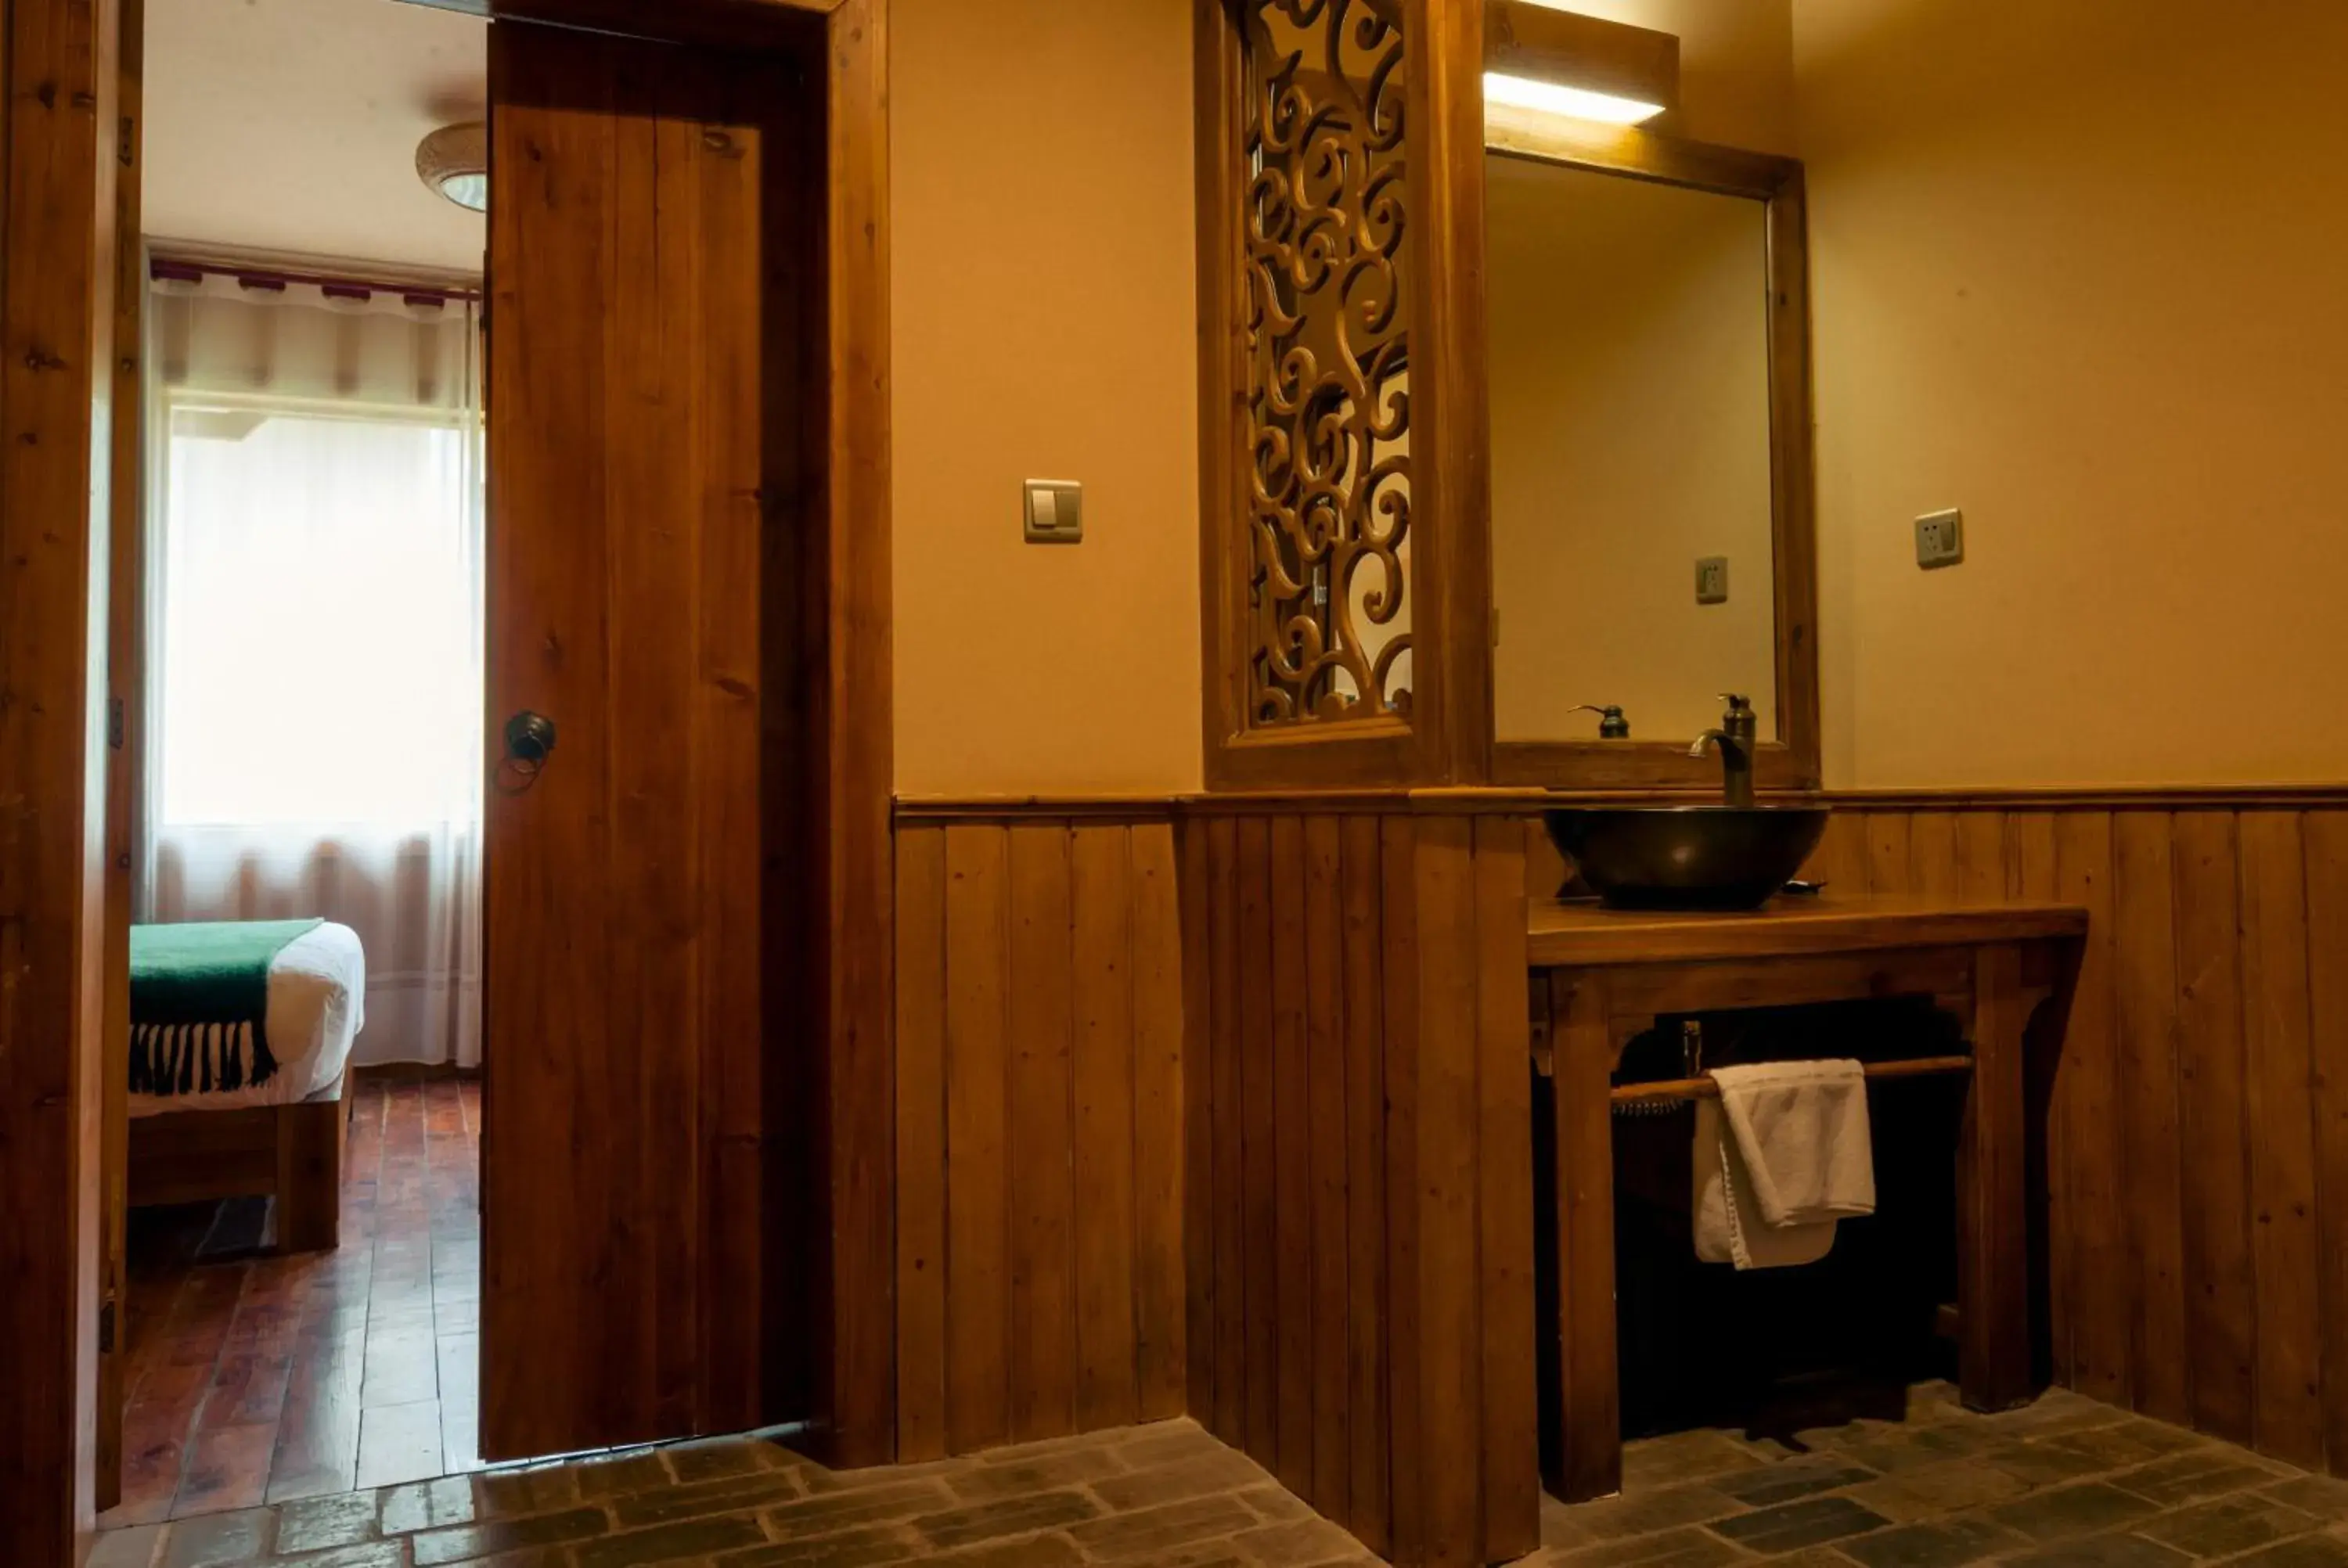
(1056, 512)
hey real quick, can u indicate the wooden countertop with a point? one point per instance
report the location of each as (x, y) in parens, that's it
(1582, 936)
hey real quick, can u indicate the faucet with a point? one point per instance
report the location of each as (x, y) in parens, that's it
(1736, 738)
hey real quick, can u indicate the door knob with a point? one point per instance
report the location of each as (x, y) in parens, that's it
(529, 739)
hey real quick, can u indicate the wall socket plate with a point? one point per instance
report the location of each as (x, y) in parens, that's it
(1712, 579)
(1940, 539)
(1056, 512)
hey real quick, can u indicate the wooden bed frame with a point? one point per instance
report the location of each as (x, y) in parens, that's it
(291, 1152)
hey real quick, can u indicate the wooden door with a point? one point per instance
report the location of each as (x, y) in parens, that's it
(645, 223)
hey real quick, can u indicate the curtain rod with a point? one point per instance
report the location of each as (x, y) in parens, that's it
(168, 269)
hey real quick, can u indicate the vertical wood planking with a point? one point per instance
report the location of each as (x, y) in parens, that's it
(1981, 857)
(1199, 1115)
(1042, 1225)
(1360, 894)
(2279, 1083)
(1292, 1158)
(1101, 914)
(1841, 859)
(1504, 1150)
(1259, 1190)
(2144, 972)
(1449, 1340)
(1888, 866)
(978, 1214)
(1227, 1420)
(920, 1145)
(1043, 1137)
(2221, 1312)
(1414, 1452)
(1933, 854)
(1160, 1116)
(2326, 836)
(1323, 937)
(2093, 1328)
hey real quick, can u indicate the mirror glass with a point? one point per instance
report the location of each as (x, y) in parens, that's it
(1630, 412)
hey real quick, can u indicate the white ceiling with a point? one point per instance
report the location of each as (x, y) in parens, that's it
(292, 124)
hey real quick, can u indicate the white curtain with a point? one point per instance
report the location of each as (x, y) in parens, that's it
(314, 633)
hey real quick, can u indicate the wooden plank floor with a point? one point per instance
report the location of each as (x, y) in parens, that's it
(260, 1378)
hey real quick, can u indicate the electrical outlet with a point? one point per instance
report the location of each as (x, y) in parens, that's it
(1940, 539)
(1711, 581)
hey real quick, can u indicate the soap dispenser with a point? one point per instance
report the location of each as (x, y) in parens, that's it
(1612, 724)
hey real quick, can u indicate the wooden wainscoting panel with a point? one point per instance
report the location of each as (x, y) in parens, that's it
(2279, 1082)
(1041, 1136)
(1368, 1218)
(1100, 909)
(977, 1133)
(2195, 1185)
(1259, 1214)
(1367, 1255)
(2087, 1282)
(1504, 1195)
(921, 1146)
(2144, 977)
(1227, 1420)
(1323, 937)
(1292, 1160)
(2222, 1309)
(2326, 836)
(1041, 1126)
(1161, 1136)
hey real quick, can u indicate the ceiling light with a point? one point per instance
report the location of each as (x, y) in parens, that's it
(1554, 97)
(453, 161)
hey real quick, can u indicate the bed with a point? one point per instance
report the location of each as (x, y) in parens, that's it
(221, 1107)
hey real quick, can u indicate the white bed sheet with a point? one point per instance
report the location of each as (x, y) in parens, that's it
(318, 1004)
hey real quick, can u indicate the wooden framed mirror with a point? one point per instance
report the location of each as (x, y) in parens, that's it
(1648, 377)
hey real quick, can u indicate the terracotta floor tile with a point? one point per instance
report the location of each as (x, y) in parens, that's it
(400, 1443)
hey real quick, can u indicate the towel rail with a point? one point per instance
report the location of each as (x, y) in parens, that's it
(1707, 1089)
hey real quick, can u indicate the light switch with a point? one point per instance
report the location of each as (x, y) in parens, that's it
(1056, 512)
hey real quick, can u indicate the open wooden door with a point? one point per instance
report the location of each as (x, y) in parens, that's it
(655, 267)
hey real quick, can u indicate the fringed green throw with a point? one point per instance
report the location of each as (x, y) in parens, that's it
(199, 1005)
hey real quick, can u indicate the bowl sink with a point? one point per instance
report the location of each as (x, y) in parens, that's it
(1687, 857)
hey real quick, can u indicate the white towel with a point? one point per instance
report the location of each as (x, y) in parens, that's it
(1783, 1155)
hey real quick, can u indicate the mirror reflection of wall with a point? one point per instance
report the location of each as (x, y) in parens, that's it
(1629, 410)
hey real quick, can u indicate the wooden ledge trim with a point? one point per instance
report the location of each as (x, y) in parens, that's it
(913, 811)
(2096, 798)
(917, 810)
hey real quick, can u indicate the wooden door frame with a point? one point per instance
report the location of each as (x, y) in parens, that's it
(57, 265)
(62, 135)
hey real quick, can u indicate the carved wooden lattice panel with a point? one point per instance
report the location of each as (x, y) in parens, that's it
(1328, 339)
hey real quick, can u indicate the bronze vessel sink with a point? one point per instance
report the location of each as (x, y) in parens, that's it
(1686, 856)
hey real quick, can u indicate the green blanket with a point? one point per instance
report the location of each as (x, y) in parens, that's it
(199, 1005)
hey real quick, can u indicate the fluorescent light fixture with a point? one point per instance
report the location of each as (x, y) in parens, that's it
(1550, 97)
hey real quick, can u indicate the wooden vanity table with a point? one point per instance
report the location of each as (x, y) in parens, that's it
(1602, 977)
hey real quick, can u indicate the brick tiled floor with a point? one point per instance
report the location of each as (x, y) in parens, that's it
(2067, 1481)
(269, 1378)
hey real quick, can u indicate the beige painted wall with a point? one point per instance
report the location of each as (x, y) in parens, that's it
(1629, 396)
(2078, 271)
(1045, 311)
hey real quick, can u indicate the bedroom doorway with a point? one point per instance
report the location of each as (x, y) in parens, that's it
(299, 1300)
(771, 1231)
